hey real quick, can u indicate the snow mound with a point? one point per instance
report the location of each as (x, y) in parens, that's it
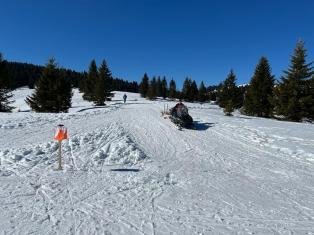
(109, 146)
(121, 151)
(113, 147)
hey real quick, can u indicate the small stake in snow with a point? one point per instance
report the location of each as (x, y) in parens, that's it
(61, 134)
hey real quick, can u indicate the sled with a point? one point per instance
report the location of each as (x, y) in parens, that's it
(182, 124)
(180, 119)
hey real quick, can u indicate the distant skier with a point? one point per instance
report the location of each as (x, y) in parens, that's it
(124, 98)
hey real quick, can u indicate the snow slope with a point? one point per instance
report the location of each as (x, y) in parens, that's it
(127, 170)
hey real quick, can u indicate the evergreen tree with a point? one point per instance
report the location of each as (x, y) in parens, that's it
(228, 92)
(164, 88)
(5, 90)
(202, 97)
(151, 94)
(53, 92)
(212, 92)
(241, 91)
(90, 82)
(293, 98)
(193, 94)
(310, 108)
(172, 89)
(307, 101)
(158, 87)
(186, 90)
(82, 82)
(144, 86)
(229, 108)
(179, 95)
(259, 93)
(123, 85)
(103, 85)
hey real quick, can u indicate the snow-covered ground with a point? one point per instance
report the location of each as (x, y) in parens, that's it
(127, 170)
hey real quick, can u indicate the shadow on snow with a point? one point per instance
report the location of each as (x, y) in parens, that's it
(125, 170)
(200, 126)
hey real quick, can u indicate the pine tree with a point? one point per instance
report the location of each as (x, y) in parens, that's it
(229, 108)
(151, 94)
(193, 94)
(144, 86)
(293, 98)
(172, 89)
(259, 93)
(241, 91)
(228, 92)
(158, 87)
(103, 85)
(179, 95)
(202, 97)
(82, 82)
(186, 90)
(310, 104)
(164, 88)
(212, 91)
(90, 82)
(53, 92)
(5, 90)
(307, 101)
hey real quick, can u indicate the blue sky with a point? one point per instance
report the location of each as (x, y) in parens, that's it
(199, 39)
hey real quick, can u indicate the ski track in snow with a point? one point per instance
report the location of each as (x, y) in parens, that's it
(127, 170)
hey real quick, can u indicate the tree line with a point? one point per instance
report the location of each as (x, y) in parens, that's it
(53, 85)
(291, 98)
(25, 74)
(5, 88)
(191, 92)
(158, 87)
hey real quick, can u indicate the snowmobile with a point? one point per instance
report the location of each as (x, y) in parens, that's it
(179, 115)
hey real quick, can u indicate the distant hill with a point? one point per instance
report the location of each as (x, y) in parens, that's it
(24, 74)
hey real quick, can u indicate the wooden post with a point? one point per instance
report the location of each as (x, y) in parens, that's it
(60, 134)
(60, 157)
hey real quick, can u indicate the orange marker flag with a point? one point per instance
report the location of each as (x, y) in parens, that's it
(65, 134)
(61, 134)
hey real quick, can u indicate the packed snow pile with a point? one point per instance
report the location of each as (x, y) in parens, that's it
(114, 147)
(127, 170)
(107, 146)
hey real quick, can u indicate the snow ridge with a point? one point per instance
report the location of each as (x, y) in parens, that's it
(108, 146)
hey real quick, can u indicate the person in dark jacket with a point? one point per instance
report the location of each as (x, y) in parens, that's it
(124, 98)
(180, 115)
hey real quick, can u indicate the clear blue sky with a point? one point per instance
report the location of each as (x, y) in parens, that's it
(200, 39)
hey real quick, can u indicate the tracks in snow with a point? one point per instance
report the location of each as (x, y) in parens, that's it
(225, 179)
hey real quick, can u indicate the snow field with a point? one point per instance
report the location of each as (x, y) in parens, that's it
(127, 170)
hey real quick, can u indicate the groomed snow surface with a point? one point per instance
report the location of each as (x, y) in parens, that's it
(127, 170)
